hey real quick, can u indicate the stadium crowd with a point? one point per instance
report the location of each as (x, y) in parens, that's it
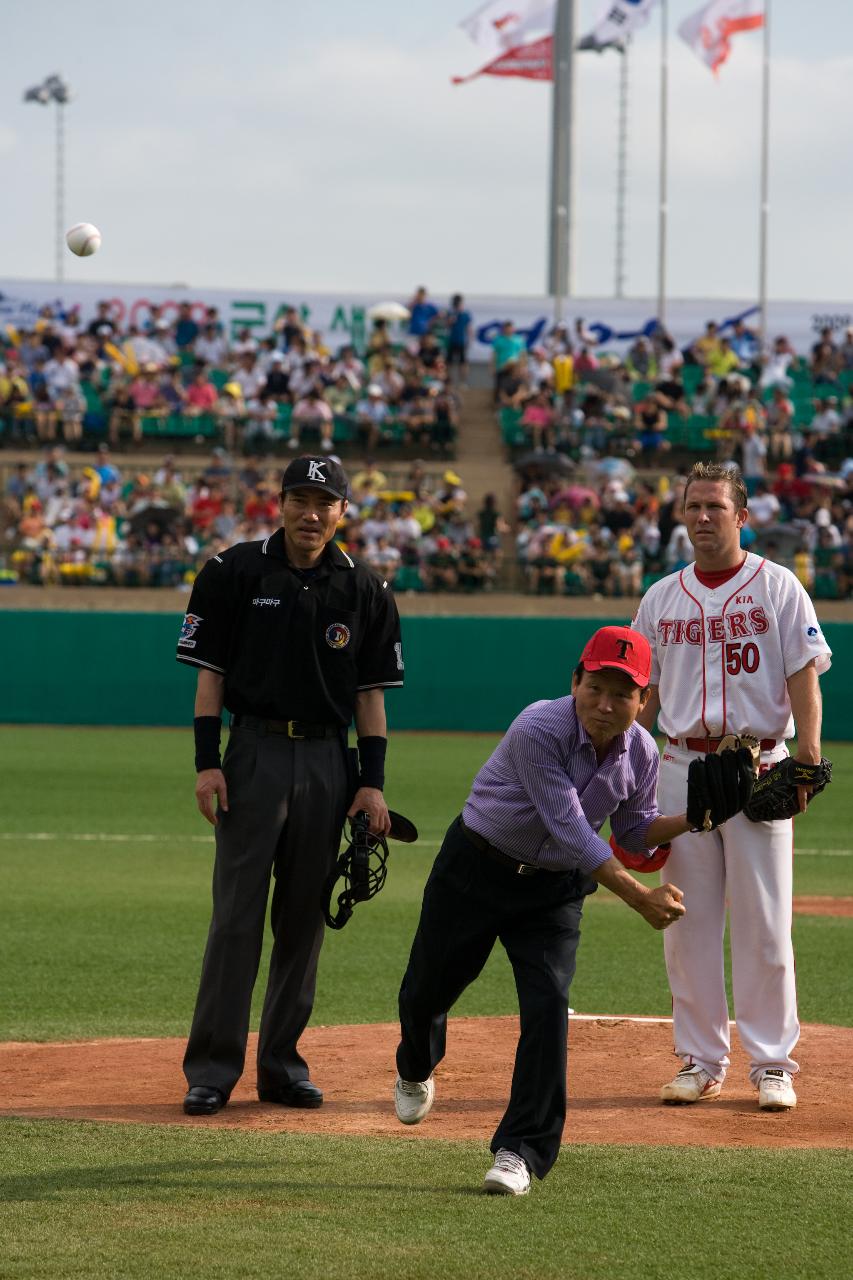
(786, 420)
(92, 524)
(185, 377)
(586, 429)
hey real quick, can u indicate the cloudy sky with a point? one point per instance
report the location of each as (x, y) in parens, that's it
(288, 144)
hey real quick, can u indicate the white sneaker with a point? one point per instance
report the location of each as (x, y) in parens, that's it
(692, 1084)
(413, 1099)
(508, 1176)
(293, 443)
(775, 1091)
(326, 446)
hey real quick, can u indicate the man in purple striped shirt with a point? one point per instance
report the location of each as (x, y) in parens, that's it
(516, 865)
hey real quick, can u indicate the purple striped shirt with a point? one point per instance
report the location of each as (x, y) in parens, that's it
(542, 796)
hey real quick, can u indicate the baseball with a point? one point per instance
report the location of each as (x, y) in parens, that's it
(83, 239)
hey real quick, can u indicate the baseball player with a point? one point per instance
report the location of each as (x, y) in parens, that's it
(516, 865)
(736, 649)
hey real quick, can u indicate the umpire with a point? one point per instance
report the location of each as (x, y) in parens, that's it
(294, 639)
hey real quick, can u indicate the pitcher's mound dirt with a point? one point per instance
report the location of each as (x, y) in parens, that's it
(816, 904)
(616, 1067)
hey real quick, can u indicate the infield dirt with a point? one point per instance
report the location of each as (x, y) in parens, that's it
(616, 1067)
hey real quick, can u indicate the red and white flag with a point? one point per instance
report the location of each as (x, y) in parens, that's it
(500, 25)
(516, 37)
(534, 61)
(710, 29)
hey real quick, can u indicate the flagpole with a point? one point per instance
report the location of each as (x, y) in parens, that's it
(621, 173)
(561, 250)
(662, 174)
(765, 177)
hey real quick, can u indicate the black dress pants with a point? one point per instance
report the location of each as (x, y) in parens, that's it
(286, 807)
(470, 901)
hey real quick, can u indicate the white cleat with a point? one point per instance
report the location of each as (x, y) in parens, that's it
(508, 1176)
(775, 1091)
(692, 1084)
(413, 1099)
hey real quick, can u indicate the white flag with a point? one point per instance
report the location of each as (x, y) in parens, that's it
(501, 25)
(710, 29)
(620, 20)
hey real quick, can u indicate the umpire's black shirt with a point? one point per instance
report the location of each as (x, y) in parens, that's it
(292, 644)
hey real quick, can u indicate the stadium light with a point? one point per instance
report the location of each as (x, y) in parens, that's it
(54, 89)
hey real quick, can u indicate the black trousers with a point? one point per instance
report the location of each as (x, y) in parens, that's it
(470, 901)
(286, 806)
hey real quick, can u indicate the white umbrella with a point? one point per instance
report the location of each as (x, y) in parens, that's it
(390, 311)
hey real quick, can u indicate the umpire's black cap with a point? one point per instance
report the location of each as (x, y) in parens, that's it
(311, 472)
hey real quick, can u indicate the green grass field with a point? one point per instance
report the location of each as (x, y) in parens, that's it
(104, 878)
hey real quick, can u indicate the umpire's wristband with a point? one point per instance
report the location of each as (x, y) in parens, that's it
(207, 730)
(371, 761)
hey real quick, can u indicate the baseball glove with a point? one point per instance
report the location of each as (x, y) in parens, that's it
(718, 787)
(775, 797)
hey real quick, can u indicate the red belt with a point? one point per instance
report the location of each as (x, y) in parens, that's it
(710, 744)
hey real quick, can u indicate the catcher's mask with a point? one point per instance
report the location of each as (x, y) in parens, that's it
(362, 866)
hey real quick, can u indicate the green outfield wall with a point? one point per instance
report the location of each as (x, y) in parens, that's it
(461, 673)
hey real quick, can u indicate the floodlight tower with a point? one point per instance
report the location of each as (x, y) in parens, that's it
(54, 89)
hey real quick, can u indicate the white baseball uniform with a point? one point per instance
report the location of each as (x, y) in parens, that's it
(721, 657)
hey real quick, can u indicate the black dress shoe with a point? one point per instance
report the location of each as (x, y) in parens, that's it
(301, 1094)
(201, 1101)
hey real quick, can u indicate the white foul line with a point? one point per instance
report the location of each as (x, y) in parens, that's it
(126, 837)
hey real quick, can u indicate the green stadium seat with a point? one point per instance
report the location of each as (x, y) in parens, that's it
(408, 578)
(512, 432)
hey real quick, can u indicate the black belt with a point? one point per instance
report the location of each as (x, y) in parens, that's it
(505, 859)
(291, 728)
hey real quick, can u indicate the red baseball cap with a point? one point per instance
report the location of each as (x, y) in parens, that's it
(620, 648)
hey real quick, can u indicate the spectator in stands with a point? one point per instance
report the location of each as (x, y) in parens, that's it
(445, 421)
(753, 455)
(245, 343)
(764, 507)
(349, 366)
(585, 362)
(458, 337)
(825, 364)
(780, 419)
(379, 345)
(827, 420)
(507, 349)
(341, 397)
(422, 313)
(186, 328)
(538, 419)
(210, 345)
(777, 364)
(277, 380)
(650, 423)
(640, 362)
(744, 342)
(103, 321)
(391, 380)
(371, 415)
(248, 376)
(723, 360)
(201, 394)
(514, 385)
(845, 351)
(707, 347)
(312, 413)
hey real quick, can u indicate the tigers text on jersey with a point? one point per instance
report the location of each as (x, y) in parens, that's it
(721, 656)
